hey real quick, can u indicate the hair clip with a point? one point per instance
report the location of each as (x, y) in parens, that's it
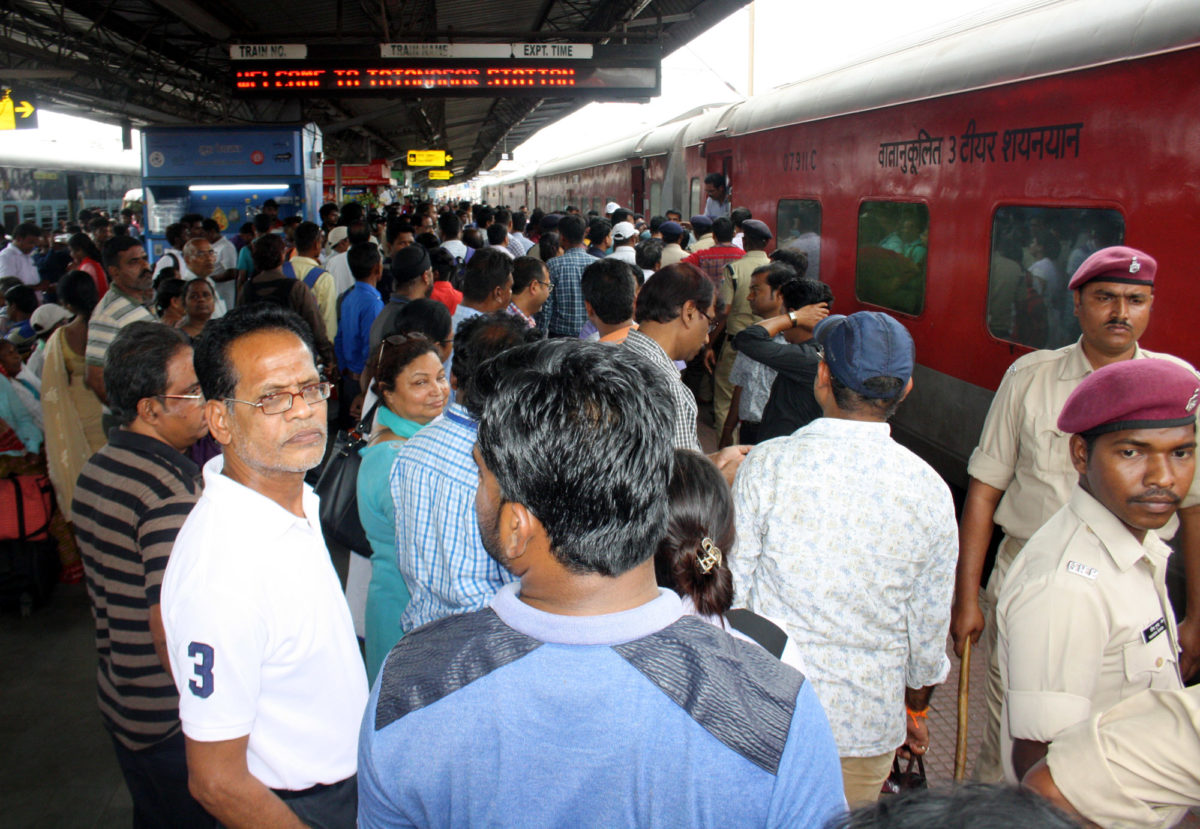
(711, 557)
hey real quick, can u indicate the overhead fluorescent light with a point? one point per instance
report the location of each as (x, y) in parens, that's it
(216, 188)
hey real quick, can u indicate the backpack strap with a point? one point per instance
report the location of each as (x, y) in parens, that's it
(763, 631)
(310, 278)
(289, 270)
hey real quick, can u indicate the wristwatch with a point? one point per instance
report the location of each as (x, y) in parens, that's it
(792, 316)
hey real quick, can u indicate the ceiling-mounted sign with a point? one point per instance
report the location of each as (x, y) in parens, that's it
(16, 111)
(429, 158)
(439, 175)
(552, 51)
(268, 51)
(445, 50)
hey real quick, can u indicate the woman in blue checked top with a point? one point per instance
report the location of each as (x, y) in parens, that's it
(413, 390)
(692, 557)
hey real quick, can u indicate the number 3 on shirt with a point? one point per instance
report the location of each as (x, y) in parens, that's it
(202, 669)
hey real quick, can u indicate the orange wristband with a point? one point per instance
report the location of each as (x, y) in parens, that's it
(923, 714)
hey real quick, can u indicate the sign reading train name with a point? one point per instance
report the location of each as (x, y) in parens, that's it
(422, 70)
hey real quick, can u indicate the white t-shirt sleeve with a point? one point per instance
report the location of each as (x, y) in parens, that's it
(217, 646)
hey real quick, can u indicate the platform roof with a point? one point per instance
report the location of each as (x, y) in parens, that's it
(166, 62)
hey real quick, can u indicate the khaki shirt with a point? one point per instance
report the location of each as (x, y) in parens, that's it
(1083, 622)
(703, 243)
(1021, 449)
(672, 254)
(735, 291)
(1135, 765)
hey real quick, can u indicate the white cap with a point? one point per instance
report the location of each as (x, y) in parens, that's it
(611, 207)
(47, 317)
(338, 235)
(622, 231)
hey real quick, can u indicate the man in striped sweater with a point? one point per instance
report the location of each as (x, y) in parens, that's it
(131, 499)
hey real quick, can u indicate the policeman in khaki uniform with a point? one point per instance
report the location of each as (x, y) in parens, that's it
(1106, 771)
(735, 297)
(1083, 618)
(1021, 471)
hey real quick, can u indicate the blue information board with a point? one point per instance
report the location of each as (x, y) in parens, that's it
(218, 153)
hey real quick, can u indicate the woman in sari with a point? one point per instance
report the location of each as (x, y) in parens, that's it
(72, 411)
(413, 390)
(85, 256)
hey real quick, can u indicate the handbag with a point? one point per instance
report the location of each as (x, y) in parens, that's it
(338, 488)
(907, 780)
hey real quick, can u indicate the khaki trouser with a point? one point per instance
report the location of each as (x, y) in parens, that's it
(989, 768)
(862, 777)
(722, 388)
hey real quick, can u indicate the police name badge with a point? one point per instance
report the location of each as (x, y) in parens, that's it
(1082, 570)
(1155, 628)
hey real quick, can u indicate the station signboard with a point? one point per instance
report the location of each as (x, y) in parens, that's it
(439, 175)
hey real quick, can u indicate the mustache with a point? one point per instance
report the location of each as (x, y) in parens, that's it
(1156, 495)
(1118, 321)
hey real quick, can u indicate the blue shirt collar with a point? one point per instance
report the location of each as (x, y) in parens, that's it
(607, 629)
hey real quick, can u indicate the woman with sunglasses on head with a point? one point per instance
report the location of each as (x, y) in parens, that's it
(692, 557)
(413, 390)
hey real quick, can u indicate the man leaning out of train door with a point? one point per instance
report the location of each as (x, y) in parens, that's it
(1021, 471)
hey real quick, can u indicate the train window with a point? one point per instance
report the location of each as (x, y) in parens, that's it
(893, 241)
(655, 198)
(799, 224)
(1035, 252)
(694, 202)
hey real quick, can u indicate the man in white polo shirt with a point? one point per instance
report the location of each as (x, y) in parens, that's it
(262, 647)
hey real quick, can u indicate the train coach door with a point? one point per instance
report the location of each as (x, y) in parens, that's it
(638, 189)
(720, 162)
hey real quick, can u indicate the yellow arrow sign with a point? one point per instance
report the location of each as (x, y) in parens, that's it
(25, 109)
(16, 115)
(429, 158)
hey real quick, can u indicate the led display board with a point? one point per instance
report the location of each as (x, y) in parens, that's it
(612, 73)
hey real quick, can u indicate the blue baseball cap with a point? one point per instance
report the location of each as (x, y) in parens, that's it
(866, 345)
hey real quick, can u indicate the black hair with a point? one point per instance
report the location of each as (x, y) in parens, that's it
(477, 340)
(701, 507)
(135, 365)
(488, 270)
(550, 411)
(409, 263)
(26, 229)
(393, 358)
(739, 215)
(424, 316)
(598, 230)
(83, 242)
(571, 229)
(796, 259)
(115, 246)
(882, 407)
(395, 228)
(351, 212)
(535, 219)
(441, 260)
(656, 222)
(358, 232)
(978, 805)
(247, 227)
(23, 297)
(210, 225)
(176, 234)
(362, 259)
(326, 208)
(621, 214)
(648, 253)
(722, 230)
(609, 286)
(526, 271)
(271, 203)
(472, 238)
(663, 296)
(78, 290)
(502, 217)
(167, 290)
(496, 233)
(483, 215)
(193, 283)
(267, 251)
(307, 235)
(262, 224)
(518, 222)
(214, 365)
(449, 225)
(99, 222)
(798, 292)
(715, 179)
(548, 244)
(428, 240)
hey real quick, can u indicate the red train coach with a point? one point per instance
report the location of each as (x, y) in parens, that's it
(958, 183)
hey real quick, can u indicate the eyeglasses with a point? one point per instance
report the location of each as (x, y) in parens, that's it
(204, 254)
(282, 401)
(193, 397)
(712, 321)
(549, 286)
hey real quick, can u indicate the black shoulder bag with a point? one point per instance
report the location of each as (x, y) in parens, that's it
(338, 488)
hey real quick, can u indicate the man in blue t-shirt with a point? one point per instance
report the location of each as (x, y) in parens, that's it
(584, 695)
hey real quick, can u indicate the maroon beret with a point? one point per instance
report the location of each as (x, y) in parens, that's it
(1116, 264)
(1132, 394)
